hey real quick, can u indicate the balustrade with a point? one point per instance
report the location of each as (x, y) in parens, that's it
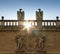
(48, 23)
(32, 22)
(9, 23)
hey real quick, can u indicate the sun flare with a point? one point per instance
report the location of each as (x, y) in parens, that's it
(27, 25)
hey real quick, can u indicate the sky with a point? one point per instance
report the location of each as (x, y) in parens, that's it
(50, 8)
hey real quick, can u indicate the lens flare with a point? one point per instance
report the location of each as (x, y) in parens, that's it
(27, 25)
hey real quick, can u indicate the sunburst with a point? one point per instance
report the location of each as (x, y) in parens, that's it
(27, 25)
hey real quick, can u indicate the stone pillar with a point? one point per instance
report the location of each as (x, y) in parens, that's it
(6, 23)
(9, 23)
(44, 23)
(57, 17)
(50, 23)
(15, 23)
(47, 23)
(12, 23)
(39, 17)
(53, 23)
(31, 23)
(20, 14)
(57, 21)
(34, 23)
(2, 23)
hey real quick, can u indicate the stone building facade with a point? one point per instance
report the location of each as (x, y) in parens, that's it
(40, 37)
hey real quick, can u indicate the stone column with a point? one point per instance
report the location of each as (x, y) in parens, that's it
(2, 22)
(57, 21)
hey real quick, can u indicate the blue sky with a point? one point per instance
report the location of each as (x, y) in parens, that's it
(51, 8)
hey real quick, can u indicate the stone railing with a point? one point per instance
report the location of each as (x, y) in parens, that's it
(51, 23)
(28, 22)
(31, 22)
(8, 22)
(17, 23)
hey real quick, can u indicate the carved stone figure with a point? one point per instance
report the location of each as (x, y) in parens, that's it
(17, 41)
(20, 43)
(42, 43)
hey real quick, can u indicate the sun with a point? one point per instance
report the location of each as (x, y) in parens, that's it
(27, 25)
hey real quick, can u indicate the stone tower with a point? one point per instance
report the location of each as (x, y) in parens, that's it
(39, 17)
(20, 14)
